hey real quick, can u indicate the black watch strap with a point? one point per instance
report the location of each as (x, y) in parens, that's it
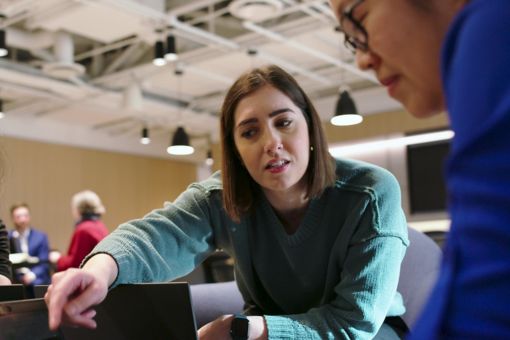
(239, 327)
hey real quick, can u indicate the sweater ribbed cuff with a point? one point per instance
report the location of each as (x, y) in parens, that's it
(285, 328)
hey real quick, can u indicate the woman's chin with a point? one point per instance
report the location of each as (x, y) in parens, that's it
(424, 110)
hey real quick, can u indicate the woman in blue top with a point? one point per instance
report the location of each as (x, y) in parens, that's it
(407, 43)
(317, 243)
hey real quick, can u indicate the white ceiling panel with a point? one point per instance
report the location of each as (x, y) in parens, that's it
(100, 23)
(212, 45)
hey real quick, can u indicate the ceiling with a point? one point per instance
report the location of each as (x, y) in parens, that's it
(80, 72)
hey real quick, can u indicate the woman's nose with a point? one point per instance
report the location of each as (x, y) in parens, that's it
(273, 144)
(367, 60)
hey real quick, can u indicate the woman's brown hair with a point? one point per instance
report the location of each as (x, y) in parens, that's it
(239, 189)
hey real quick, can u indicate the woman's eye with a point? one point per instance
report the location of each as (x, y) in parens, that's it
(360, 14)
(248, 133)
(284, 123)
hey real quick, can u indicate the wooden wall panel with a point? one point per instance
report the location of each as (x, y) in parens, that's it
(47, 175)
(384, 124)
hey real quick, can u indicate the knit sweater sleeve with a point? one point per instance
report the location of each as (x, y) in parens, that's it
(165, 244)
(367, 290)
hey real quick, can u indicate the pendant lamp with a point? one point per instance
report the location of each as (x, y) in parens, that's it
(180, 143)
(159, 54)
(145, 139)
(171, 51)
(346, 112)
(3, 45)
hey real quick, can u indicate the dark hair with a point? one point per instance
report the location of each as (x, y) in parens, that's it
(239, 188)
(19, 205)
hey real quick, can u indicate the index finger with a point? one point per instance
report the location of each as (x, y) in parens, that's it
(62, 292)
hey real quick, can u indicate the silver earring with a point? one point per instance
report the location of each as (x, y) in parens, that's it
(311, 147)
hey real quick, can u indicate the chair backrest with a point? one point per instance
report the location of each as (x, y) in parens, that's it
(418, 273)
(210, 300)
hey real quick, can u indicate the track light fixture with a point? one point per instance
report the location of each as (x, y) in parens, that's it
(180, 143)
(171, 51)
(3, 46)
(159, 54)
(145, 139)
(346, 112)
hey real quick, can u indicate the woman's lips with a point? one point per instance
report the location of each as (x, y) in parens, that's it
(278, 166)
(390, 83)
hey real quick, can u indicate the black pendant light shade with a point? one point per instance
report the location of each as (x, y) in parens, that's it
(145, 139)
(346, 112)
(180, 143)
(171, 51)
(209, 161)
(3, 46)
(159, 54)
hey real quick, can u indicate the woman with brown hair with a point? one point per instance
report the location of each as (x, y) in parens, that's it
(317, 243)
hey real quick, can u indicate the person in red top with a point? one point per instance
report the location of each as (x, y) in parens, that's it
(87, 210)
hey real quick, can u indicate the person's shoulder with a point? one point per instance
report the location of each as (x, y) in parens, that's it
(38, 232)
(88, 227)
(212, 184)
(363, 175)
(85, 225)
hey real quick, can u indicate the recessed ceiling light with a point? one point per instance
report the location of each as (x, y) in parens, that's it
(63, 70)
(254, 10)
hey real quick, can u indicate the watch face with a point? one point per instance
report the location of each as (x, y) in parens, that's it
(239, 327)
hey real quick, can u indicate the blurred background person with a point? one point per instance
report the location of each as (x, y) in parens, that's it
(5, 265)
(87, 209)
(25, 239)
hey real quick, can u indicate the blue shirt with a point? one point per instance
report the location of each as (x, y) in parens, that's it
(472, 296)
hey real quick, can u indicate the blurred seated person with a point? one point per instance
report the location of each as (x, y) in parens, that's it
(5, 266)
(26, 239)
(87, 209)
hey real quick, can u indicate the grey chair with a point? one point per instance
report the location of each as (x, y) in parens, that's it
(211, 300)
(418, 274)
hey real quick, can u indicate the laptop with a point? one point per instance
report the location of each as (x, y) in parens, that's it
(39, 291)
(12, 292)
(25, 319)
(138, 311)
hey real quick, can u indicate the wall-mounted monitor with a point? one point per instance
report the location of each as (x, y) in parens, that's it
(425, 173)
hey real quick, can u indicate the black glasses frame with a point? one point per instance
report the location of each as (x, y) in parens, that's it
(354, 42)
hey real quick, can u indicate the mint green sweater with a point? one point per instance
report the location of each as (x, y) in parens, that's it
(335, 277)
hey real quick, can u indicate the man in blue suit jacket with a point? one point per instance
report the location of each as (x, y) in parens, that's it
(26, 239)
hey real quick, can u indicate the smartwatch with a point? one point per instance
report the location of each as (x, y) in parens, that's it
(239, 327)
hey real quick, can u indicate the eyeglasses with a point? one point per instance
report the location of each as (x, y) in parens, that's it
(356, 37)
